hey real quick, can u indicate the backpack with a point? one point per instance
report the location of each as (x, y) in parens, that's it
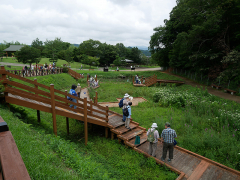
(125, 112)
(151, 137)
(120, 104)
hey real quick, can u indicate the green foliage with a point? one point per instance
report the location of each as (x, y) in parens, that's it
(53, 47)
(65, 69)
(198, 35)
(28, 55)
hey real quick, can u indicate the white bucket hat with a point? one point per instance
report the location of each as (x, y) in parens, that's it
(78, 84)
(126, 95)
(154, 125)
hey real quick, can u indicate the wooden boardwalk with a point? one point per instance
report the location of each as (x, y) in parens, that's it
(185, 163)
(153, 80)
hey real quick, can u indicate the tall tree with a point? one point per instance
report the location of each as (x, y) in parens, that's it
(53, 47)
(28, 55)
(38, 45)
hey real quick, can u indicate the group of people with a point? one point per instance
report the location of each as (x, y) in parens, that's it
(167, 139)
(92, 81)
(168, 135)
(137, 80)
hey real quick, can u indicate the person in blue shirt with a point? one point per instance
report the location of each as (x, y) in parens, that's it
(73, 92)
(127, 122)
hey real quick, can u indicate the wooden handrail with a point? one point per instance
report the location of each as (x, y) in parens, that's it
(12, 165)
(48, 96)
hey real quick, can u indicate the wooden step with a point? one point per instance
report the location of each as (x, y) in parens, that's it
(122, 129)
(143, 139)
(131, 134)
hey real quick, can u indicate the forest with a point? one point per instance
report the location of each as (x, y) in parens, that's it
(201, 36)
(90, 52)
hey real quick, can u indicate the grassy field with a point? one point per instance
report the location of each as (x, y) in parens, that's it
(66, 157)
(205, 124)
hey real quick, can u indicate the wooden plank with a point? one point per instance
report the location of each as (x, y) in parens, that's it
(13, 166)
(200, 169)
(85, 121)
(28, 104)
(28, 88)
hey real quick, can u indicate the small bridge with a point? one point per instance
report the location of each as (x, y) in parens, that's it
(153, 80)
(44, 98)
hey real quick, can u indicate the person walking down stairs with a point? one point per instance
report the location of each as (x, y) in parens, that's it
(153, 136)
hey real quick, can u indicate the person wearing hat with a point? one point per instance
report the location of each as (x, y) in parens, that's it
(153, 143)
(167, 138)
(125, 104)
(78, 90)
(127, 122)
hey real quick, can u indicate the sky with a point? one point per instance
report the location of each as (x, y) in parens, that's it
(130, 22)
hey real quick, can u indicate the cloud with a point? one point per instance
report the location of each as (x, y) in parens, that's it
(130, 22)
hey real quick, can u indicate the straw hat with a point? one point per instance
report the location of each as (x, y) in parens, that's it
(154, 125)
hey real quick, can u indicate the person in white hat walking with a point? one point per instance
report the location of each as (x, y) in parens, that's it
(78, 90)
(153, 136)
(125, 104)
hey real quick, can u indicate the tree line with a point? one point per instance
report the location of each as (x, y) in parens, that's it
(201, 36)
(91, 52)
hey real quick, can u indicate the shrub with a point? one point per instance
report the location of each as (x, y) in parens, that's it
(65, 70)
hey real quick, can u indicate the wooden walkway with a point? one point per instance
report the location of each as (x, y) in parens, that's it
(153, 80)
(185, 163)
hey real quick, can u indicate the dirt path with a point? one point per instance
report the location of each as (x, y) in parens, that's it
(210, 89)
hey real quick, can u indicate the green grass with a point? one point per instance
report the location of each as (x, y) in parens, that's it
(66, 157)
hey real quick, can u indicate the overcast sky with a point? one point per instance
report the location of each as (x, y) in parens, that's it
(130, 22)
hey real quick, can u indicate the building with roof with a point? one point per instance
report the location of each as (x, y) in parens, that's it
(12, 49)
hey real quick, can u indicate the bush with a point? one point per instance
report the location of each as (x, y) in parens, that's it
(65, 70)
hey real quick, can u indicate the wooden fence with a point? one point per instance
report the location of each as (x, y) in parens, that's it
(151, 80)
(36, 72)
(44, 98)
(75, 74)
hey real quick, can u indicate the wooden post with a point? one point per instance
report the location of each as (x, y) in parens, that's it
(85, 120)
(106, 132)
(96, 100)
(67, 120)
(4, 76)
(53, 109)
(38, 112)
(90, 106)
(96, 78)
(107, 112)
(133, 79)
(112, 135)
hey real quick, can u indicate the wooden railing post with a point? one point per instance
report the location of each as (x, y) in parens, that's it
(133, 80)
(106, 128)
(4, 77)
(96, 97)
(67, 120)
(38, 112)
(91, 106)
(96, 78)
(107, 112)
(85, 120)
(53, 108)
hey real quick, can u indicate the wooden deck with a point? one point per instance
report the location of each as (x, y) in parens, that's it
(153, 80)
(185, 163)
